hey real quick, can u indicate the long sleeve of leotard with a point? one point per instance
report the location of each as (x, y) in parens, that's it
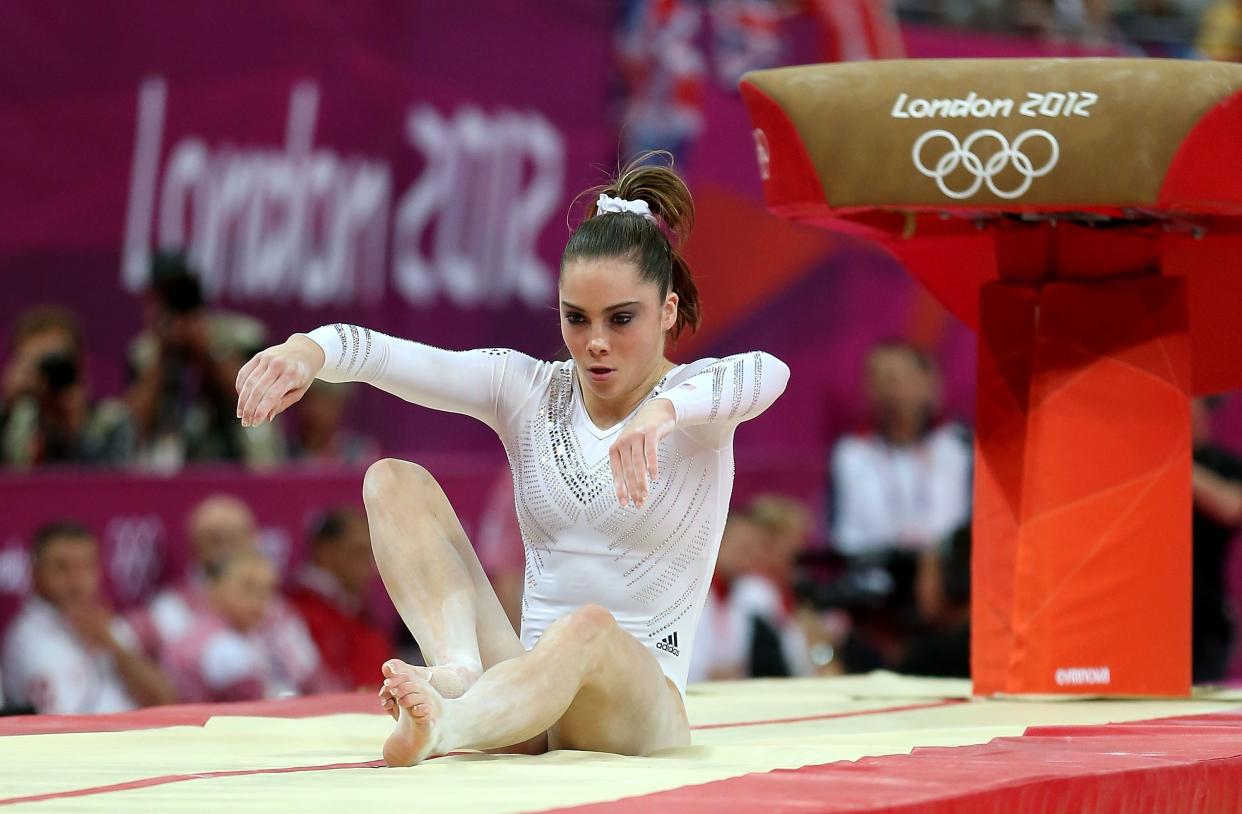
(727, 392)
(489, 384)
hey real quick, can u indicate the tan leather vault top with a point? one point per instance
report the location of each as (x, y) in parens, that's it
(1010, 133)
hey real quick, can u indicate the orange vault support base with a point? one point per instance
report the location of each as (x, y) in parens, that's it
(1082, 489)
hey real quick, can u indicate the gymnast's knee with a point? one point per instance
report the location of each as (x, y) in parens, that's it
(390, 479)
(585, 625)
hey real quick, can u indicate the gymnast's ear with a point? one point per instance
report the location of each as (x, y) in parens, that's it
(669, 312)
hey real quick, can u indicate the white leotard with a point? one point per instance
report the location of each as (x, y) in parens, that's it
(650, 567)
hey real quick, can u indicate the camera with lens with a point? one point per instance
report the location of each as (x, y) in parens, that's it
(831, 582)
(854, 590)
(59, 371)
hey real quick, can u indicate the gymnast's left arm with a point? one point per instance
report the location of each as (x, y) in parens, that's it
(709, 405)
(737, 388)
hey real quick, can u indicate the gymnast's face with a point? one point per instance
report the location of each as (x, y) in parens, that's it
(613, 323)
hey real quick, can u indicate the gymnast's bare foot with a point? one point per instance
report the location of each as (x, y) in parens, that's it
(451, 681)
(419, 709)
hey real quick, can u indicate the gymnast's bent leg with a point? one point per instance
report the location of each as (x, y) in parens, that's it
(434, 578)
(594, 686)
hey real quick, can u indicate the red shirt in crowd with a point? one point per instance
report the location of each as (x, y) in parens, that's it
(351, 648)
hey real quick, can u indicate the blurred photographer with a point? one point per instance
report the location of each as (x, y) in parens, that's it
(46, 416)
(182, 369)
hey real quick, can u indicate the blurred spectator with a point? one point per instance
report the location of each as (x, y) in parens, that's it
(46, 415)
(1220, 31)
(904, 484)
(320, 435)
(219, 528)
(723, 637)
(1161, 28)
(942, 591)
(330, 592)
(1217, 485)
(775, 639)
(66, 652)
(500, 548)
(224, 654)
(1157, 28)
(183, 370)
(1086, 21)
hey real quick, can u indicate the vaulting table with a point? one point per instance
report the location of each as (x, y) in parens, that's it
(1085, 217)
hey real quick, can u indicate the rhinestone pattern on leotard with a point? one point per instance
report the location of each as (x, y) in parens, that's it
(653, 547)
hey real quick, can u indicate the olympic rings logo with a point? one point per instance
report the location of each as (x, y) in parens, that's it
(962, 154)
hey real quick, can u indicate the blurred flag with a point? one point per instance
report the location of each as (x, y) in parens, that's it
(855, 30)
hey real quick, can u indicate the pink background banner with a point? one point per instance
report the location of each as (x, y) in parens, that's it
(319, 163)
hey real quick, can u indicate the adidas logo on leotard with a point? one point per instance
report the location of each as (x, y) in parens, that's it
(669, 644)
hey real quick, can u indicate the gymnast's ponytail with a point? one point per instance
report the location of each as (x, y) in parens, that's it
(644, 215)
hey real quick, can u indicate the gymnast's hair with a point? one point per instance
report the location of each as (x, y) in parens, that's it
(652, 244)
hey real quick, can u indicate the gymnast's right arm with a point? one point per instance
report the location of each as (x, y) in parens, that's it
(484, 384)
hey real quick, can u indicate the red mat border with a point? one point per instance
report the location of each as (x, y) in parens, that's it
(1190, 764)
(292, 710)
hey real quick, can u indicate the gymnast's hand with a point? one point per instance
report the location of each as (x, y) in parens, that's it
(276, 378)
(633, 454)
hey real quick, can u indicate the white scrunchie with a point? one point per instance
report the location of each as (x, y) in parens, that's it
(607, 205)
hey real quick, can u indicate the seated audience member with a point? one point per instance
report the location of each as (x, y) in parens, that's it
(720, 648)
(942, 594)
(904, 484)
(320, 435)
(776, 639)
(219, 527)
(183, 370)
(223, 655)
(46, 414)
(330, 594)
(66, 652)
(1090, 22)
(1217, 488)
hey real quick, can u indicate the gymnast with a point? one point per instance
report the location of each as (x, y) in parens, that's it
(622, 466)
